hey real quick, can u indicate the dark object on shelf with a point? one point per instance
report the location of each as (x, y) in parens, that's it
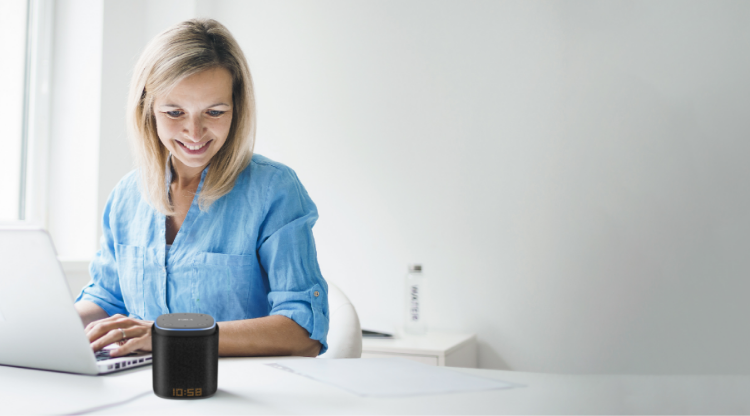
(375, 334)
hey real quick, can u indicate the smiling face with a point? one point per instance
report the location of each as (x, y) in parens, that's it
(194, 119)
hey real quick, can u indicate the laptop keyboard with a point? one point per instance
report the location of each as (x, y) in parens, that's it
(104, 355)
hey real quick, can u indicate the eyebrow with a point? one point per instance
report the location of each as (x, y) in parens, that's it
(179, 106)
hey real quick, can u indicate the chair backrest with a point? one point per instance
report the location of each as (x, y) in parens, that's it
(344, 332)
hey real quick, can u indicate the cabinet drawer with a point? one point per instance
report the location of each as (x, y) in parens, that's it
(424, 359)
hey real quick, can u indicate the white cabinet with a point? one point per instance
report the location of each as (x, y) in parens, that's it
(433, 348)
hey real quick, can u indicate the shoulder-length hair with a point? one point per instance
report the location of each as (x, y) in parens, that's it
(180, 51)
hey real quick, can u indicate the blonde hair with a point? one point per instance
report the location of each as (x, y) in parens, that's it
(182, 50)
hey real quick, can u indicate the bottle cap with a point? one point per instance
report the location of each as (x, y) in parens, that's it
(415, 267)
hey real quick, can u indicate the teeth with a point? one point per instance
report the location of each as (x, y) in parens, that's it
(194, 147)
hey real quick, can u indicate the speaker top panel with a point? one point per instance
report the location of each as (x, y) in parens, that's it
(185, 322)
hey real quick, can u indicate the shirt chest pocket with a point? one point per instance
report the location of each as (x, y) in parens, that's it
(130, 273)
(222, 284)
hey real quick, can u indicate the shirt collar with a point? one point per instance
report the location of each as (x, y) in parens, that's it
(168, 173)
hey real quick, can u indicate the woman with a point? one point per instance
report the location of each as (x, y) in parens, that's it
(203, 225)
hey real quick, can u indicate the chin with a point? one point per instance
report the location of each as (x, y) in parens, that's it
(193, 162)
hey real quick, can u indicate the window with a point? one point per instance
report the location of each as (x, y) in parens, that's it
(12, 106)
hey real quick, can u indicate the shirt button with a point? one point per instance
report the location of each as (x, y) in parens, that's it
(316, 293)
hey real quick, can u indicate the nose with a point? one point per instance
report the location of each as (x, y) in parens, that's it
(194, 129)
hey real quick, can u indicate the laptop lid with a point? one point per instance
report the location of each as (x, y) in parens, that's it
(39, 326)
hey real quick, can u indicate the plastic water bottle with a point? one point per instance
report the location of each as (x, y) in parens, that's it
(415, 291)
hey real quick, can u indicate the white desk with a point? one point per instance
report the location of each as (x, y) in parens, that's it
(246, 386)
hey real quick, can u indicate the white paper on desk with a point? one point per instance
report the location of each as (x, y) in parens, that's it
(389, 377)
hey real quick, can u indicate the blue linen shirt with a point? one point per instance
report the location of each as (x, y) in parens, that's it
(251, 254)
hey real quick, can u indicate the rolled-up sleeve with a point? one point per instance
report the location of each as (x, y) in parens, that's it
(104, 287)
(286, 250)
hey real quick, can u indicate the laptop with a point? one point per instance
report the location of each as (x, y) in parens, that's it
(39, 326)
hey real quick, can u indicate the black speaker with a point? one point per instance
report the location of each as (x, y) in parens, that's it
(185, 348)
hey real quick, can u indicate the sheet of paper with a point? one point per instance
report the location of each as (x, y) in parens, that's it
(389, 377)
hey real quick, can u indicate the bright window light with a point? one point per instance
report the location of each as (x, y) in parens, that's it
(12, 70)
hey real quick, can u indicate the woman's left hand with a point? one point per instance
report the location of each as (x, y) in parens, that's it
(131, 334)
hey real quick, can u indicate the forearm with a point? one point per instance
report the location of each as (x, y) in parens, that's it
(89, 312)
(273, 335)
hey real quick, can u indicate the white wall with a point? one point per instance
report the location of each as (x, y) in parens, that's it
(571, 174)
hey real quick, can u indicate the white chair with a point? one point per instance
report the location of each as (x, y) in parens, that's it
(344, 332)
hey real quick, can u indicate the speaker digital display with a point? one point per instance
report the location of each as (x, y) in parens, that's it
(185, 349)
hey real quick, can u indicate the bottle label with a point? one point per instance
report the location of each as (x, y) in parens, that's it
(414, 303)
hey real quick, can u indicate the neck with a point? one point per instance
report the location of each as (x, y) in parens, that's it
(185, 176)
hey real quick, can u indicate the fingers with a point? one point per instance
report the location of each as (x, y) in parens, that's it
(111, 337)
(133, 344)
(92, 324)
(104, 327)
(110, 330)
